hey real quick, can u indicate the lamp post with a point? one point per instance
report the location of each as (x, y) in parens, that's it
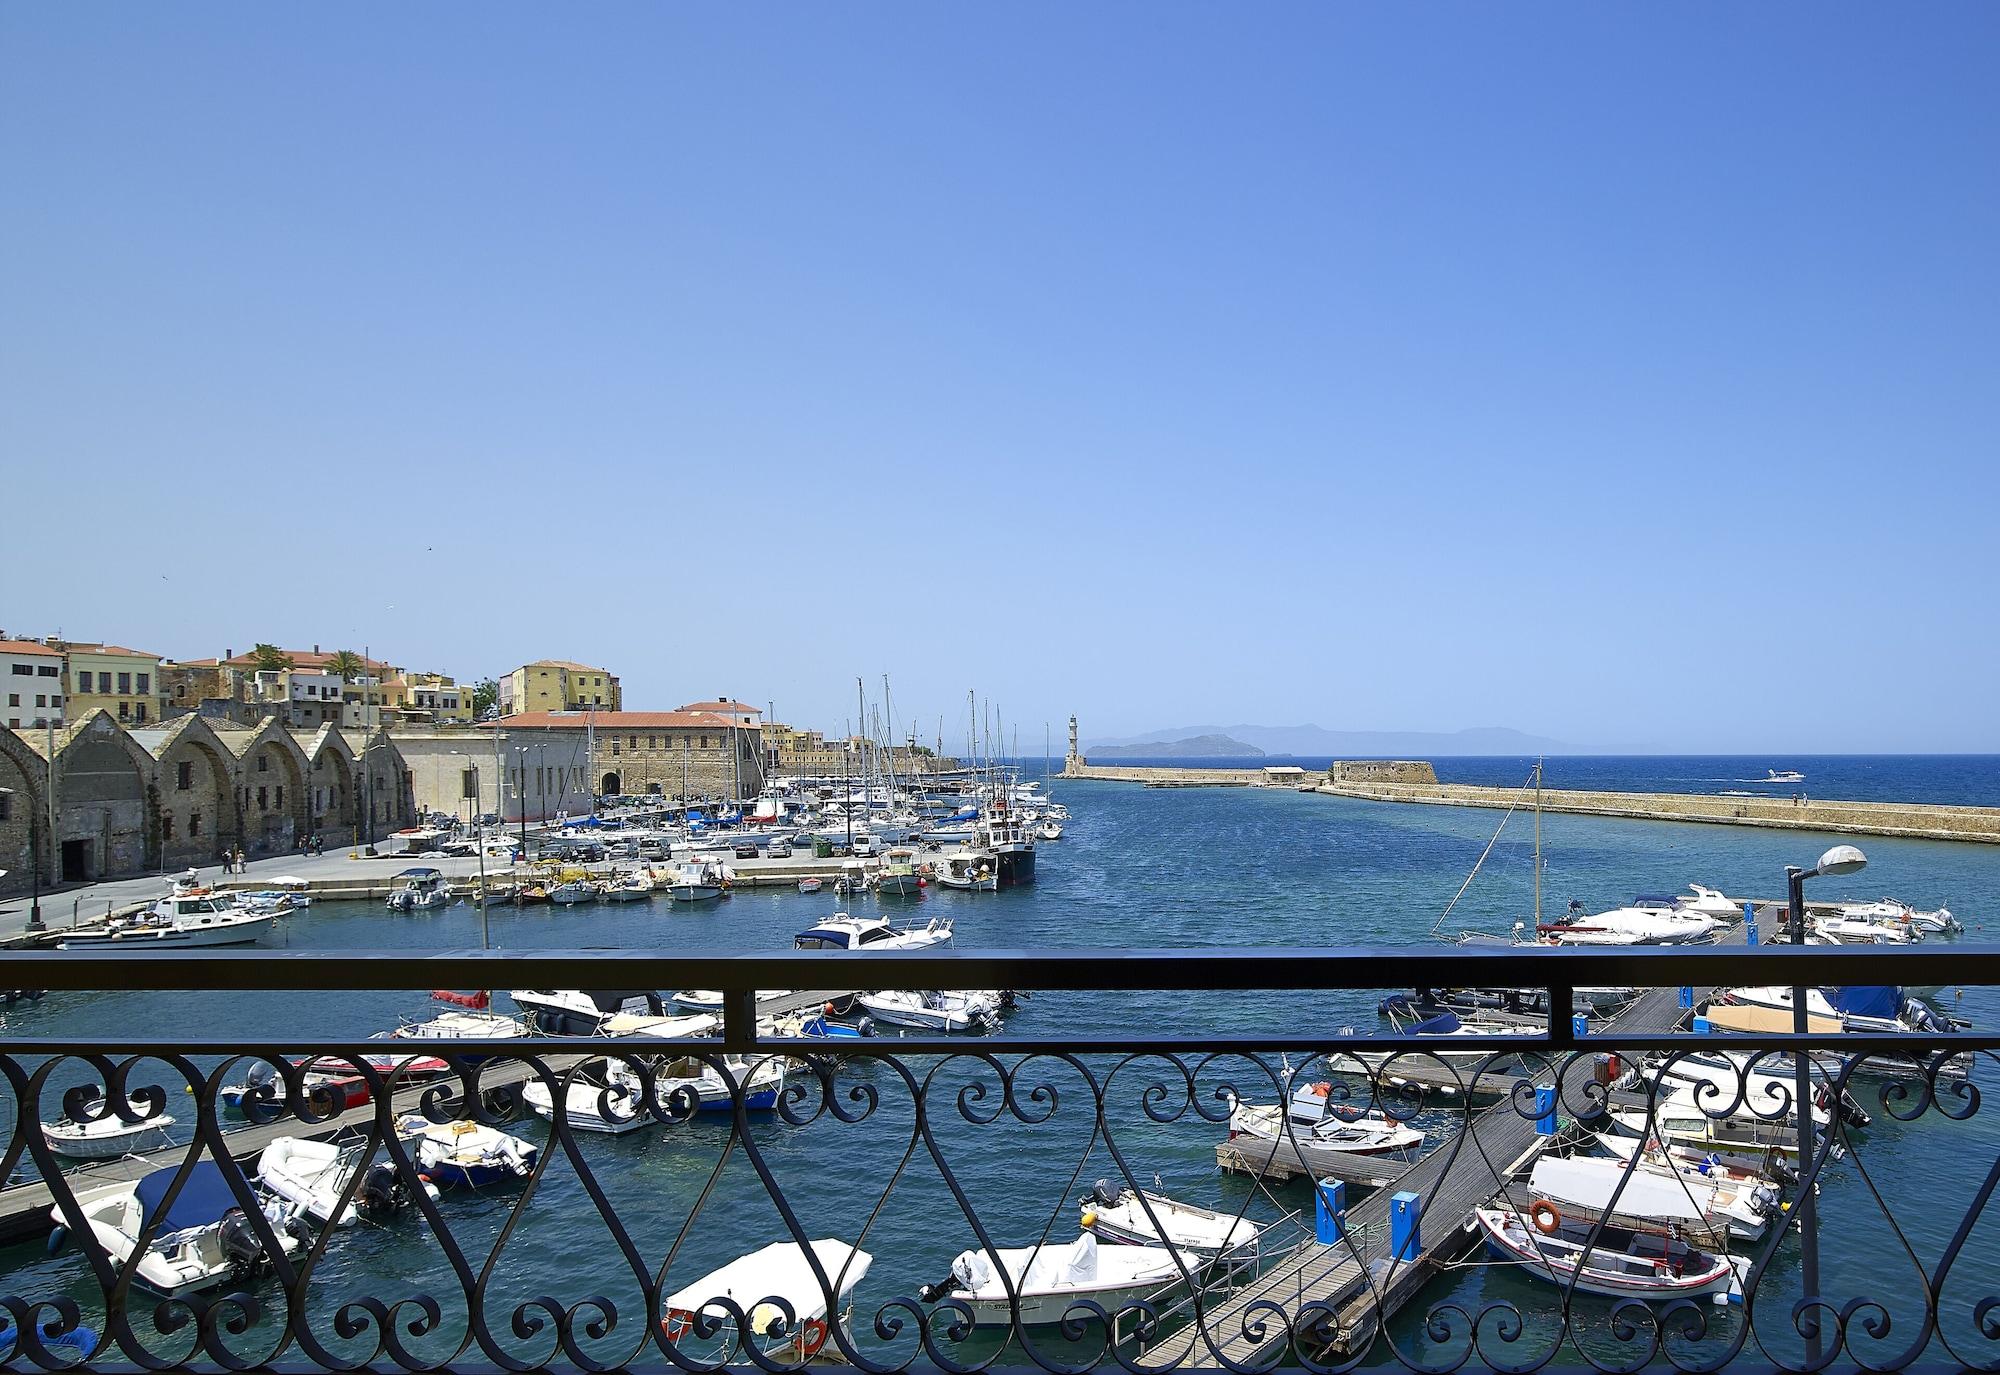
(34, 868)
(478, 848)
(1840, 860)
(521, 798)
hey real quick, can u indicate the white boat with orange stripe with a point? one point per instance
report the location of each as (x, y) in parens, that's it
(1625, 1263)
(756, 1284)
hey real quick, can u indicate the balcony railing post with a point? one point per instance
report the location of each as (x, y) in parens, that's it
(1795, 882)
(739, 1019)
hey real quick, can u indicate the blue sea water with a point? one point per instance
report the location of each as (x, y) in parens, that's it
(1137, 868)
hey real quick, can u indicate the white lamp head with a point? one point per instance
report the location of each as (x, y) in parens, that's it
(1843, 859)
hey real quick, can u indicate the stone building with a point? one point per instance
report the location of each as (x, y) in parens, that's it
(486, 770)
(167, 796)
(639, 752)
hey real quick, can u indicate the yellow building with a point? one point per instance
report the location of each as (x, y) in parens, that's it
(558, 685)
(435, 696)
(125, 682)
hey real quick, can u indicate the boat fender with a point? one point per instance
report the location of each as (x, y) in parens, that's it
(58, 1238)
(1548, 1219)
(1089, 1219)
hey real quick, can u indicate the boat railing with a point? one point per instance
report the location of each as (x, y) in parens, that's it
(1881, 1256)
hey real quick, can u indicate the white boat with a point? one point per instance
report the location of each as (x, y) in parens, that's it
(1880, 1009)
(1049, 1280)
(1128, 1218)
(694, 881)
(1439, 1032)
(1895, 912)
(572, 1012)
(710, 1000)
(1783, 776)
(627, 888)
(1623, 1264)
(967, 871)
(201, 1241)
(1709, 902)
(1584, 1186)
(1358, 1133)
(293, 887)
(572, 891)
(1740, 1137)
(898, 875)
(781, 1273)
(608, 1099)
(843, 932)
(107, 1138)
(186, 918)
(1050, 829)
(1846, 930)
(467, 1154)
(1741, 1200)
(312, 1176)
(469, 1025)
(1634, 925)
(422, 890)
(946, 1010)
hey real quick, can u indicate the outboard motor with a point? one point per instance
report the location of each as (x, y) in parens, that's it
(382, 1190)
(1103, 1194)
(240, 1244)
(866, 1025)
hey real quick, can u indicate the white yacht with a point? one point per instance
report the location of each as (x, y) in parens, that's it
(189, 916)
(843, 932)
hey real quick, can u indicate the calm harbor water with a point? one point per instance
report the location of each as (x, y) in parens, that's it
(1138, 868)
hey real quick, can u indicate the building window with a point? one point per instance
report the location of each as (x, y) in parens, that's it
(633, 742)
(14, 700)
(281, 795)
(166, 825)
(263, 801)
(614, 749)
(49, 671)
(145, 683)
(652, 742)
(263, 763)
(139, 711)
(468, 783)
(704, 742)
(83, 681)
(184, 776)
(124, 711)
(41, 699)
(24, 670)
(55, 699)
(194, 823)
(124, 682)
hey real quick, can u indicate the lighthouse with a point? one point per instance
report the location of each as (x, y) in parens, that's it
(1073, 761)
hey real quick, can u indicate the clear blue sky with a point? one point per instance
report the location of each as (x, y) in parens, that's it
(1415, 367)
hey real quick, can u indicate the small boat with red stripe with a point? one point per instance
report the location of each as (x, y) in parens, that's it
(757, 1284)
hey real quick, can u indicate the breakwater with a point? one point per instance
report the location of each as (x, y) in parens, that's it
(1913, 820)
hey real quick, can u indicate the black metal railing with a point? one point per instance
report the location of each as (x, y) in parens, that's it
(512, 1204)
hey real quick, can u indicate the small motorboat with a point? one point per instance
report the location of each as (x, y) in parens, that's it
(572, 891)
(696, 881)
(1128, 1218)
(898, 876)
(1647, 921)
(627, 888)
(607, 1097)
(759, 1081)
(261, 1095)
(422, 890)
(1360, 1133)
(1740, 1203)
(531, 894)
(468, 1025)
(778, 1274)
(1783, 776)
(107, 1137)
(842, 932)
(811, 885)
(200, 1241)
(1050, 1280)
(1895, 912)
(467, 1154)
(1625, 1263)
(947, 1010)
(967, 871)
(312, 1176)
(573, 1012)
(1050, 829)
(190, 916)
(1842, 929)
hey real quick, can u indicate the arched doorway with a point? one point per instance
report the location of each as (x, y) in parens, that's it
(611, 786)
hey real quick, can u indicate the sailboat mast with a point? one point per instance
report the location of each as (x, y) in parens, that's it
(1538, 845)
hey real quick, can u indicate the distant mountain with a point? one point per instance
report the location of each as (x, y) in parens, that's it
(1195, 747)
(1310, 740)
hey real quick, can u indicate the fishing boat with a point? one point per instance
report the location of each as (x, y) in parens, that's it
(528, 895)
(811, 885)
(843, 932)
(1003, 834)
(759, 1081)
(1353, 1133)
(898, 876)
(1746, 1201)
(1050, 1280)
(421, 890)
(1624, 1263)
(791, 1318)
(190, 916)
(633, 887)
(313, 1176)
(1129, 1217)
(950, 1011)
(696, 881)
(467, 1154)
(571, 891)
(967, 871)
(1586, 1188)
(107, 1137)
(295, 891)
(201, 1240)
(573, 1012)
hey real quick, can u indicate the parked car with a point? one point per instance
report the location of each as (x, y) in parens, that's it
(779, 850)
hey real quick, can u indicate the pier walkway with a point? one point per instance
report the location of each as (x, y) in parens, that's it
(1364, 1283)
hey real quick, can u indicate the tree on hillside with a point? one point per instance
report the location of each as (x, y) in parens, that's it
(269, 658)
(485, 695)
(347, 664)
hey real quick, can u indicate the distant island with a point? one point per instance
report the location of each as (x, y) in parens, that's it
(1194, 747)
(1311, 741)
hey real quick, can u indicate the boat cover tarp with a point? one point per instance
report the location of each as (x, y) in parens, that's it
(777, 1271)
(420, 873)
(201, 1203)
(1437, 1024)
(1883, 1001)
(1588, 1183)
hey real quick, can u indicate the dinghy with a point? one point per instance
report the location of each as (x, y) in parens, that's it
(312, 1175)
(1127, 1218)
(1049, 1279)
(948, 1011)
(108, 1137)
(201, 1241)
(780, 1273)
(467, 1154)
(1367, 1133)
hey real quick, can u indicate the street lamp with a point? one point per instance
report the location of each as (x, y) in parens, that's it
(34, 866)
(1836, 862)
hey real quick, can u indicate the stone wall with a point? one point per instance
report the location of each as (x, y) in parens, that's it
(1382, 771)
(650, 761)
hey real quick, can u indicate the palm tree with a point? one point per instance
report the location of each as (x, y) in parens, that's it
(269, 658)
(348, 665)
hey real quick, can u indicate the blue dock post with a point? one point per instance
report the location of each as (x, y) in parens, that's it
(1687, 997)
(1702, 1026)
(1405, 1234)
(1579, 1025)
(1329, 1211)
(1545, 1110)
(1749, 923)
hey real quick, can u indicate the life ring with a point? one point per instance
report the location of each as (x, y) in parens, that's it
(812, 1336)
(676, 1324)
(1547, 1218)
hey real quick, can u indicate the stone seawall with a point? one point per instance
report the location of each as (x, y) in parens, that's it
(1172, 778)
(1916, 820)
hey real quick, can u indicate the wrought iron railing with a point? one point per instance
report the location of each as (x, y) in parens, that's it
(435, 1220)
